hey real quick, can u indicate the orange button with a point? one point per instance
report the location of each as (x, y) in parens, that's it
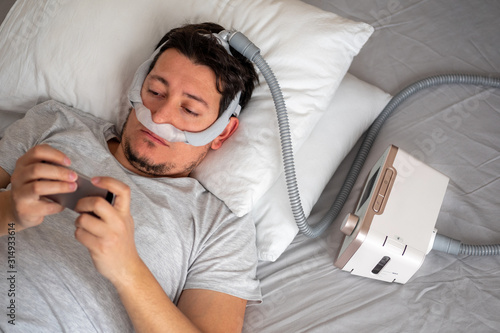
(385, 182)
(378, 203)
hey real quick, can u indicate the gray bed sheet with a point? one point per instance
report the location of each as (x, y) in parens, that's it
(303, 291)
(454, 129)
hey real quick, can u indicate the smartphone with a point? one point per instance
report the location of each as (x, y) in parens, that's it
(85, 189)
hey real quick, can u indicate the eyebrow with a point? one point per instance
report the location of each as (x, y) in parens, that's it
(194, 97)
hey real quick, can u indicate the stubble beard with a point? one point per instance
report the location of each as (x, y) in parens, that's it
(144, 164)
(148, 167)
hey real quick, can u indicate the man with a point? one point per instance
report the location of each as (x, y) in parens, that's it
(168, 255)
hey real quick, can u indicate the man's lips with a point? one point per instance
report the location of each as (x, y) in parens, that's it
(154, 137)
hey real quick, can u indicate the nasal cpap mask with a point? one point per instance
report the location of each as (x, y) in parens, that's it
(168, 131)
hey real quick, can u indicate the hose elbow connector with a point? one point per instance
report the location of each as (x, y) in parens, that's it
(243, 45)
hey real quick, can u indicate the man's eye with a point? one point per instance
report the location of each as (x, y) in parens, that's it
(152, 92)
(190, 112)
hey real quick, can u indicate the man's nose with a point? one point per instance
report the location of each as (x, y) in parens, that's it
(164, 113)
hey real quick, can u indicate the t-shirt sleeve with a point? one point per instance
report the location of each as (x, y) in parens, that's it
(227, 260)
(50, 122)
(24, 134)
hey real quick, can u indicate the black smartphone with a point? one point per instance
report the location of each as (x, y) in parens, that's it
(85, 189)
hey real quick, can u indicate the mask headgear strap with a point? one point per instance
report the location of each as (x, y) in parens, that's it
(168, 131)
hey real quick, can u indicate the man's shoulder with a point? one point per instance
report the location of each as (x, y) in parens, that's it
(56, 107)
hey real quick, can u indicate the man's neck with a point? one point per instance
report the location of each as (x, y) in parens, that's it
(113, 146)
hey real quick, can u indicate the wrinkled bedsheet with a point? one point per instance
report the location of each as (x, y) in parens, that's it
(456, 130)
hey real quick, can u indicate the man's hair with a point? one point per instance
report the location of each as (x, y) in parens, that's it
(233, 73)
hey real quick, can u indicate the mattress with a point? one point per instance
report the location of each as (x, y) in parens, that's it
(454, 129)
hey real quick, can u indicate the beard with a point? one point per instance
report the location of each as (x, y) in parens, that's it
(144, 164)
(147, 166)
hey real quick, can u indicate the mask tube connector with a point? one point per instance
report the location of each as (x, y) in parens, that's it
(242, 44)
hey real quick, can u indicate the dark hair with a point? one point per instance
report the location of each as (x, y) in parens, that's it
(233, 73)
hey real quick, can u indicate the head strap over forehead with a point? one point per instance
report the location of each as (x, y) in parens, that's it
(168, 131)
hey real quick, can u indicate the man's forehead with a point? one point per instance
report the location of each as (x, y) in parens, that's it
(173, 67)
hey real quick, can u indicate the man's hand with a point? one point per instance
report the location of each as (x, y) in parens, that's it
(32, 179)
(108, 233)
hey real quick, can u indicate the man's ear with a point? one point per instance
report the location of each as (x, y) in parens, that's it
(228, 131)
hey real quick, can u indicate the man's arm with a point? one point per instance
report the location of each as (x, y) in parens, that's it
(5, 203)
(108, 234)
(213, 311)
(198, 310)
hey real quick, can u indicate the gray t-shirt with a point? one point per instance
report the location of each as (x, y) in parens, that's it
(185, 235)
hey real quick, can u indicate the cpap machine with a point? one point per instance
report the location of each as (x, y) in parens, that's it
(392, 228)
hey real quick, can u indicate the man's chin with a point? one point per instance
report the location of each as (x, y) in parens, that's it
(144, 164)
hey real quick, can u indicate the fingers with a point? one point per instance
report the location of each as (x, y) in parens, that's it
(109, 234)
(32, 180)
(92, 225)
(47, 187)
(111, 214)
(32, 213)
(102, 208)
(45, 153)
(121, 191)
(99, 217)
(101, 228)
(87, 239)
(28, 202)
(97, 206)
(30, 167)
(51, 172)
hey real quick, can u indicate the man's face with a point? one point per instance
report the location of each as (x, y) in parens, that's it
(180, 93)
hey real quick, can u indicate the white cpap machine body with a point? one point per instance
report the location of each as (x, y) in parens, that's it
(393, 226)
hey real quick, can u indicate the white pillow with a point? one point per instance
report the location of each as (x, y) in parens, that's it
(84, 54)
(354, 107)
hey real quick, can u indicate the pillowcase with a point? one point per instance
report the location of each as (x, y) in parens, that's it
(354, 107)
(84, 54)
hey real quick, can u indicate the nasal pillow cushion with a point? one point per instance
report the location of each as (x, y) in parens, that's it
(85, 53)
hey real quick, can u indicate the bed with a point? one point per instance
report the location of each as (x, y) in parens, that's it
(452, 128)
